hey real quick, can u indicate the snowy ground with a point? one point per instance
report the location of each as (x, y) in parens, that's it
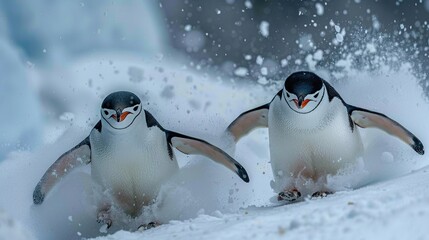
(395, 209)
(205, 201)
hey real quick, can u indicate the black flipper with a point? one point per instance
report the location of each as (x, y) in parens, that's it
(151, 121)
(365, 118)
(77, 156)
(332, 93)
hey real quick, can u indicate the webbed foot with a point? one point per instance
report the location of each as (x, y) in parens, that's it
(104, 217)
(321, 194)
(290, 196)
(148, 226)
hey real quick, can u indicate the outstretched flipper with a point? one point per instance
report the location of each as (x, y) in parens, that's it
(190, 145)
(77, 156)
(366, 118)
(247, 121)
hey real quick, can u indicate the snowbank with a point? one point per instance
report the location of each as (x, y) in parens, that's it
(18, 101)
(54, 32)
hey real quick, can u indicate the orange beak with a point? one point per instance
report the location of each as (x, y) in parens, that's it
(303, 103)
(123, 116)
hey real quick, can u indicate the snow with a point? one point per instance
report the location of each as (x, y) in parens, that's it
(337, 28)
(188, 27)
(306, 42)
(310, 62)
(387, 210)
(194, 40)
(339, 37)
(241, 72)
(340, 33)
(318, 55)
(264, 28)
(375, 23)
(10, 229)
(371, 47)
(259, 60)
(262, 80)
(319, 9)
(312, 59)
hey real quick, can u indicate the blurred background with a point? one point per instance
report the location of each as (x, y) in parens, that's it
(44, 44)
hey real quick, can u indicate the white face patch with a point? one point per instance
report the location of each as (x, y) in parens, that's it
(306, 105)
(121, 120)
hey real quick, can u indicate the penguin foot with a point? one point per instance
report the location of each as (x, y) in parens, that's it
(148, 226)
(290, 196)
(104, 218)
(320, 194)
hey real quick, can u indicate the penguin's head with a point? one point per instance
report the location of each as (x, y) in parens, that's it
(120, 109)
(303, 91)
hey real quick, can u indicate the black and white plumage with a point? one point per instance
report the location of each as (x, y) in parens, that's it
(313, 131)
(131, 156)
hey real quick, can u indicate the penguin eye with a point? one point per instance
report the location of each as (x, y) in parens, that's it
(317, 94)
(135, 108)
(106, 112)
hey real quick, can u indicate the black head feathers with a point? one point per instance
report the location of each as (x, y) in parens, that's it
(303, 83)
(120, 100)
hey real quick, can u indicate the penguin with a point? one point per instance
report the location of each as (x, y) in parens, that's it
(313, 133)
(131, 156)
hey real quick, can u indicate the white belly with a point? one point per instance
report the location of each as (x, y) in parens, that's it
(313, 145)
(131, 166)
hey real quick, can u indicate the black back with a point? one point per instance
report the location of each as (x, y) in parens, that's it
(120, 100)
(303, 83)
